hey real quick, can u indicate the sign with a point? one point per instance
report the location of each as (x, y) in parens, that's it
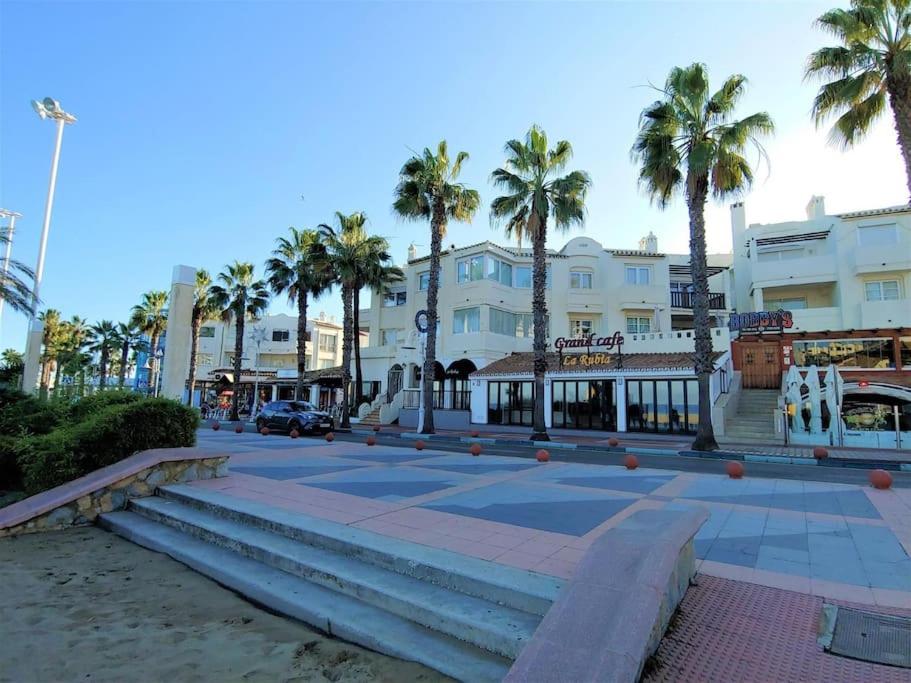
(421, 321)
(586, 359)
(763, 321)
(589, 340)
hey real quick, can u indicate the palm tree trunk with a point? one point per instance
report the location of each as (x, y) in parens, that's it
(899, 89)
(437, 223)
(238, 352)
(153, 371)
(696, 197)
(195, 323)
(58, 370)
(345, 419)
(539, 315)
(103, 369)
(356, 333)
(124, 357)
(301, 344)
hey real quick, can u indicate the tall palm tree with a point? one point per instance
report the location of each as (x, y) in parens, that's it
(205, 306)
(870, 66)
(239, 297)
(129, 338)
(536, 192)
(15, 281)
(151, 317)
(689, 142)
(349, 248)
(103, 340)
(72, 351)
(297, 268)
(51, 337)
(428, 190)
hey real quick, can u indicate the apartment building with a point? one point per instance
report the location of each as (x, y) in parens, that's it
(841, 284)
(640, 295)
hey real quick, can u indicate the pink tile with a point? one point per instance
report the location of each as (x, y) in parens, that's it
(536, 547)
(506, 541)
(554, 567)
(514, 558)
(842, 591)
(567, 554)
(790, 582)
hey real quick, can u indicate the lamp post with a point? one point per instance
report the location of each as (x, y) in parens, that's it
(258, 336)
(12, 215)
(156, 364)
(48, 108)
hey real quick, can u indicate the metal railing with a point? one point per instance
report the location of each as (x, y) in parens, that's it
(685, 300)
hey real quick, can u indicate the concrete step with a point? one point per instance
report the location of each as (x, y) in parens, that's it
(499, 629)
(519, 589)
(330, 611)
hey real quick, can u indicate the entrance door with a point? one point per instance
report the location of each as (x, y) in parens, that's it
(760, 365)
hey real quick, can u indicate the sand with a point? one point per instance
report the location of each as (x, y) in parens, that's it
(85, 605)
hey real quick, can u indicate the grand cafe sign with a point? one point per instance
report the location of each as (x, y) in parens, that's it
(588, 341)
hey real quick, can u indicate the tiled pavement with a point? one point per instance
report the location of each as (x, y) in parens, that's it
(834, 540)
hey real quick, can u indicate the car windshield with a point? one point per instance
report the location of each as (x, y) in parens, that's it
(301, 406)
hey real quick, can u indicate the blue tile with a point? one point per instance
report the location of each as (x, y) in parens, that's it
(743, 551)
(771, 564)
(632, 484)
(789, 541)
(389, 490)
(856, 504)
(387, 457)
(479, 469)
(293, 472)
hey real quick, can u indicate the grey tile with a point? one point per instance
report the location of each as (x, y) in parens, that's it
(291, 472)
(382, 489)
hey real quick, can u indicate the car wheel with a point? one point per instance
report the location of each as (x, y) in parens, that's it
(294, 424)
(260, 423)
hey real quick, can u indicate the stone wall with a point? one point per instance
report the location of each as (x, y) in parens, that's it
(114, 496)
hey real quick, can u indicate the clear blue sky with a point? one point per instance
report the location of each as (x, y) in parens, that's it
(207, 128)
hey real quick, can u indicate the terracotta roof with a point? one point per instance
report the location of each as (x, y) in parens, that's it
(311, 376)
(635, 252)
(521, 363)
(876, 212)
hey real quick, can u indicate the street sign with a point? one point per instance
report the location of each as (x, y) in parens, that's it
(421, 321)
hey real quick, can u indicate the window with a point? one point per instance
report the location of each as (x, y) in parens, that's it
(905, 346)
(389, 337)
(871, 354)
(424, 281)
(280, 335)
(471, 269)
(638, 325)
(877, 235)
(510, 403)
(580, 280)
(523, 277)
(206, 332)
(499, 271)
(638, 275)
(662, 405)
(787, 254)
(466, 320)
(882, 290)
(588, 404)
(581, 328)
(325, 363)
(681, 286)
(511, 324)
(207, 358)
(327, 342)
(391, 299)
(786, 304)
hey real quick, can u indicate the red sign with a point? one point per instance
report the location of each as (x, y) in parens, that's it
(589, 340)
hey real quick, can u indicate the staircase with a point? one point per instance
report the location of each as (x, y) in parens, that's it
(462, 616)
(372, 418)
(754, 419)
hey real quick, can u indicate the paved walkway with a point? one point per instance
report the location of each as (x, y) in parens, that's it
(834, 540)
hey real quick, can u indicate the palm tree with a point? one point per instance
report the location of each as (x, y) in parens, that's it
(297, 268)
(536, 192)
(239, 297)
(72, 353)
(15, 288)
(151, 318)
(428, 190)
(50, 339)
(350, 253)
(103, 340)
(870, 66)
(129, 338)
(689, 142)
(205, 306)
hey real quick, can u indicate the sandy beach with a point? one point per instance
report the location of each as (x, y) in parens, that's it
(85, 605)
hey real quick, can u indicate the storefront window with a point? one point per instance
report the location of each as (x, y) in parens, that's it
(905, 345)
(510, 403)
(873, 354)
(664, 405)
(584, 404)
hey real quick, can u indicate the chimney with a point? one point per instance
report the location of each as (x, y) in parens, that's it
(649, 243)
(412, 252)
(816, 208)
(322, 316)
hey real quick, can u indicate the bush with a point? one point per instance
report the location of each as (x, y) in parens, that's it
(31, 415)
(96, 402)
(10, 396)
(107, 435)
(10, 473)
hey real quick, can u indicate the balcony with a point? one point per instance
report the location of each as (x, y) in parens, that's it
(685, 300)
(816, 319)
(882, 258)
(879, 314)
(806, 270)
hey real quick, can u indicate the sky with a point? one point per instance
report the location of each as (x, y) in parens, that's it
(206, 129)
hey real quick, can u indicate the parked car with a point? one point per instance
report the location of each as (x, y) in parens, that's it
(305, 417)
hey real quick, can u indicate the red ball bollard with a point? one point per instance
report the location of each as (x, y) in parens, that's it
(734, 468)
(238, 428)
(542, 456)
(820, 453)
(475, 449)
(371, 440)
(419, 445)
(264, 431)
(880, 479)
(216, 426)
(613, 442)
(475, 433)
(630, 461)
(376, 428)
(330, 437)
(294, 434)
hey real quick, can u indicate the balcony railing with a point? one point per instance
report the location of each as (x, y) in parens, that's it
(685, 300)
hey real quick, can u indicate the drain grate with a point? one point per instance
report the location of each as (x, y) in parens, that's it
(867, 636)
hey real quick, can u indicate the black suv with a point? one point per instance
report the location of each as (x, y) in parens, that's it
(305, 417)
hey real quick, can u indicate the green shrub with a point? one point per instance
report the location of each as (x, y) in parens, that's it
(104, 437)
(10, 472)
(31, 415)
(10, 396)
(96, 402)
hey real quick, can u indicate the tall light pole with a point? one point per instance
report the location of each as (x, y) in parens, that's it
(12, 215)
(48, 108)
(258, 335)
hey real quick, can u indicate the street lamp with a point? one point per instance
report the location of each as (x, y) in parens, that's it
(159, 354)
(258, 336)
(48, 108)
(12, 215)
